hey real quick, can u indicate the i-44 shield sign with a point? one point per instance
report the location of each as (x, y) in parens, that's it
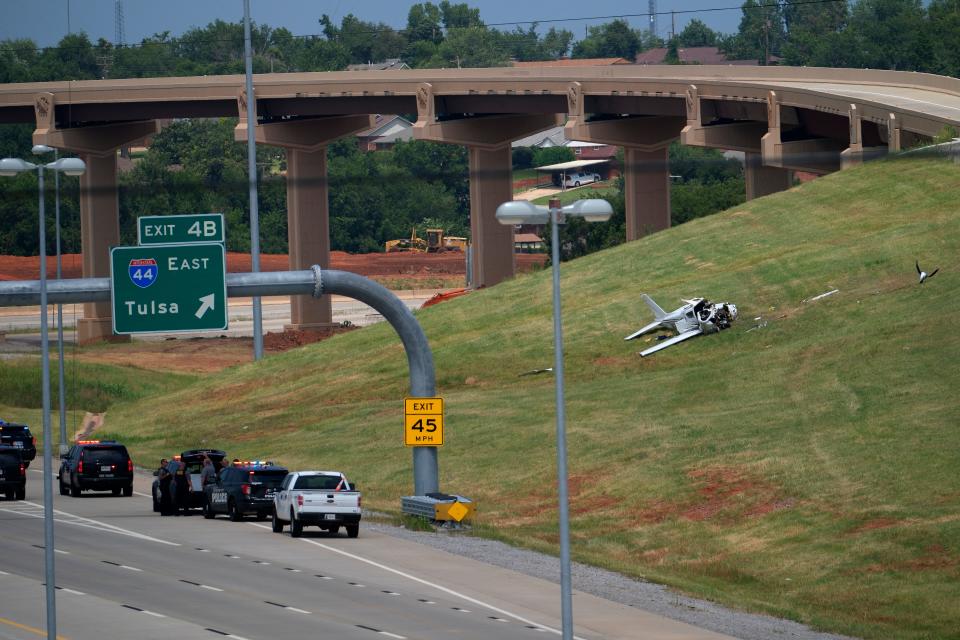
(168, 288)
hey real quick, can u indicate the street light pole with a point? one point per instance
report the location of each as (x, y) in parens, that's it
(522, 212)
(566, 596)
(252, 178)
(70, 166)
(47, 436)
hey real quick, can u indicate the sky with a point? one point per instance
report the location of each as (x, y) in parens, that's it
(46, 21)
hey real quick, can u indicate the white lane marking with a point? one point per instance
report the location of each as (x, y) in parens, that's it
(324, 577)
(145, 495)
(456, 594)
(465, 611)
(73, 591)
(155, 615)
(427, 601)
(80, 521)
(129, 568)
(4, 573)
(206, 586)
(392, 635)
(236, 637)
(298, 610)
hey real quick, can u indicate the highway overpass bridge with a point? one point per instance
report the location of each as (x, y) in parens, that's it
(782, 118)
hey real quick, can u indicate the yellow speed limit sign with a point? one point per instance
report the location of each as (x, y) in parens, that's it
(423, 422)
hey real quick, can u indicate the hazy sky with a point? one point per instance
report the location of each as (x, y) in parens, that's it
(46, 21)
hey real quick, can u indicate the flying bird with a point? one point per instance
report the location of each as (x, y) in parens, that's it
(923, 274)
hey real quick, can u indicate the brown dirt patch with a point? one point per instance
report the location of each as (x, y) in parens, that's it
(719, 490)
(874, 524)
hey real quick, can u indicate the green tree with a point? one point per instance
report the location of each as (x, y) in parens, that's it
(761, 33)
(459, 16)
(697, 34)
(364, 41)
(944, 21)
(611, 40)
(424, 24)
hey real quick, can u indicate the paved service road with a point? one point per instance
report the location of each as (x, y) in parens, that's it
(125, 572)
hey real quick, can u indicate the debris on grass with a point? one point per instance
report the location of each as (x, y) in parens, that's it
(822, 295)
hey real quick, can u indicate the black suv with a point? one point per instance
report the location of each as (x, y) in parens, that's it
(13, 472)
(96, 465)
(244, 488)
(193, 459)
(19, 436)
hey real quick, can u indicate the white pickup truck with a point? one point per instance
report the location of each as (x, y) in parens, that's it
(317, 498)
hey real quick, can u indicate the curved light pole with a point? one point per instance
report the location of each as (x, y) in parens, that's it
(523, 212)
(74, 167)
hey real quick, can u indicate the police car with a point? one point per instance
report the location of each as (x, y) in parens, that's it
(13, 472)
(19, 436)
(244, 488)
(96, 465)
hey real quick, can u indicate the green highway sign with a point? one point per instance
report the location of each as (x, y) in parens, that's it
(200, 227)
(168, 288)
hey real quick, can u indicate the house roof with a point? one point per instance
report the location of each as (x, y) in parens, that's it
(572, 62)
(526, 237)
(572, 164)
(690, 55)
(554, 135)
(386, 125)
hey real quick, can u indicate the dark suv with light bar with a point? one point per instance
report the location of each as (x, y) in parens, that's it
(19, 436)
(244, 488)
(96, 465)
(13, 473)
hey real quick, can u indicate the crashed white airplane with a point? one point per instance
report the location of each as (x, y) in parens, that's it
(696, 317)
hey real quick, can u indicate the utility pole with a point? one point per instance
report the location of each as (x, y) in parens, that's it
(652, 10)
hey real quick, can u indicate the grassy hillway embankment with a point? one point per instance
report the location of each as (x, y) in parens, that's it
(809, 469)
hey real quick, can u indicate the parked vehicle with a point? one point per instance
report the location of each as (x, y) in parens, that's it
(19, 436)
(13, 473)
(193, 459)
(580, 178)
(244, 488)
(317, 498)
(96, 465)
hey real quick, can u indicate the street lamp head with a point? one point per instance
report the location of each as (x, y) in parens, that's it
(13, 166)
(69, 166)
(592, 210)
(522, 212)
(41, 148)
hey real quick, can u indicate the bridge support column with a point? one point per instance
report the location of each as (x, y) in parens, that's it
(762, 180)
(308, 231)
(646, 190)
(488, 138)
(308, 212)
(99, 230)
(99, 200)
(491, 184)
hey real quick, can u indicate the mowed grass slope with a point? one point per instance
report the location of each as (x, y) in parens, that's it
(807, 469)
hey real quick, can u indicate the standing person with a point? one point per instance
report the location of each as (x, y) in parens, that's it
(208, 475)
(163, 477)
(181, 489)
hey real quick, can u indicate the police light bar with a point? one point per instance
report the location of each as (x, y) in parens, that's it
(88, 442)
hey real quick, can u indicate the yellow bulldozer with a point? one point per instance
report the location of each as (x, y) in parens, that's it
(411, 245)
(437, 242)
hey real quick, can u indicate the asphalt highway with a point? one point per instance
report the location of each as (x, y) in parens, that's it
(126, 572)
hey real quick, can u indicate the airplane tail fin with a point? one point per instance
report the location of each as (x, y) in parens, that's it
(658, 313)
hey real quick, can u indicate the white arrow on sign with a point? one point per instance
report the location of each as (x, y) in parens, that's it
(206, 303)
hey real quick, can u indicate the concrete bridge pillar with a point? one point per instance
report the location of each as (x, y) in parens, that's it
(99, 199)
(762, 180)
(308, 211)
(491, 184)
(488, 139)
(646, 190)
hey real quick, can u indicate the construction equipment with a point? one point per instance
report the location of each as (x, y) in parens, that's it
(411, 245)
(437, 242)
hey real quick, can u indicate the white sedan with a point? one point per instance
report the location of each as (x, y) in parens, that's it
(579, 178)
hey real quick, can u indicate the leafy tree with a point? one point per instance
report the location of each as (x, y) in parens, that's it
(522, 157)
(470, 47)
(364, 41)
(697, 34)
(611, 40)
(423, 24)
(552, 155)
(459, 16)
(761, 32)
(944, 20)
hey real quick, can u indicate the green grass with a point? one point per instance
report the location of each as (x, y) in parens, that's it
(89, 387)
(807, 469)
(595, 190)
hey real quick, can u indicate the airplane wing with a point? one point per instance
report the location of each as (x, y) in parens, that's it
(670, 341)
(650, 327)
